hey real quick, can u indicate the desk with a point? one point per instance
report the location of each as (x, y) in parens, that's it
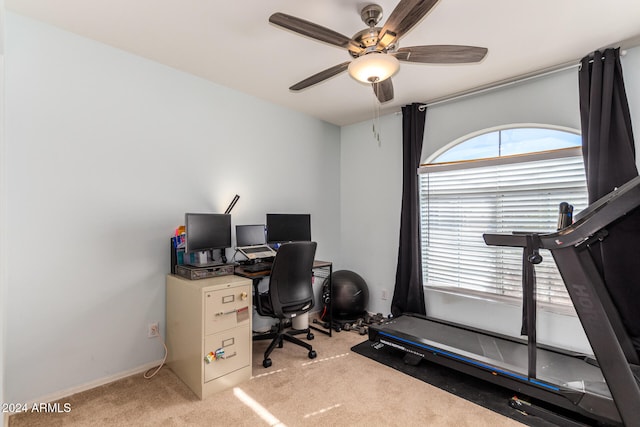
(257, 276)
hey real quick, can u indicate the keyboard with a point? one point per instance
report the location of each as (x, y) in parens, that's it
(258, 266)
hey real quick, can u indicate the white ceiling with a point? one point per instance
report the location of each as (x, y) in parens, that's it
(233, 44)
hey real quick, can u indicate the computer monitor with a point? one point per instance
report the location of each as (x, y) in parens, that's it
(288, 228)
(207, 231)
(250, 235)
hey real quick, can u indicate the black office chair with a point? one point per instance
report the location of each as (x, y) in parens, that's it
(290, 294)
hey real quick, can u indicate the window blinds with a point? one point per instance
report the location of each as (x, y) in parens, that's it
(461, 201)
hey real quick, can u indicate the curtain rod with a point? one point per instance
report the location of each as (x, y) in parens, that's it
(506, 82)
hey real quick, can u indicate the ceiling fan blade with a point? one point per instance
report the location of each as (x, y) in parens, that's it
(383, 90)
(406, 14)
(312, 30)
(321, 76)
(441, 54)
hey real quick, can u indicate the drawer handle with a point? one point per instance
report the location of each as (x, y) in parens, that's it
(224, 313)
(219, 354)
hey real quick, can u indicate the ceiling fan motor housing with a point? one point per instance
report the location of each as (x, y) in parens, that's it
(368, 38)
(371, 14)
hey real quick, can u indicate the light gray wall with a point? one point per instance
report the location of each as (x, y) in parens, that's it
(105, 153)
(3, 252)
(631, 73)
(371, 190)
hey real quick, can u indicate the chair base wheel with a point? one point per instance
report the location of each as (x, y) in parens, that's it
(267, 362)
(310, 336)
(312, 354)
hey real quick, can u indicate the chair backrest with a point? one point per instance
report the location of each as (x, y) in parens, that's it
(290, 283)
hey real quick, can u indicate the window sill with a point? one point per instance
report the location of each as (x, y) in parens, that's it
(501, 299)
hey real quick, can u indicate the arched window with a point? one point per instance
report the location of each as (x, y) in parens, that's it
(497, 181)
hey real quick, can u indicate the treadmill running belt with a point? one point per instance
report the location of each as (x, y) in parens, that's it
(509, 357)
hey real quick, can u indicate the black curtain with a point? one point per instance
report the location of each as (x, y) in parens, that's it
(408, 295)
(607, 138)
(609, 158)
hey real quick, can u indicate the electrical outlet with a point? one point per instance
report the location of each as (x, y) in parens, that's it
(384, 294)
(154, 330)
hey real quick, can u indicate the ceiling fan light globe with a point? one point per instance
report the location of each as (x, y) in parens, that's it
(373, 67)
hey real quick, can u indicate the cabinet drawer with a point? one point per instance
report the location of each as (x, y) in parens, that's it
(226, 309)
(236, 344)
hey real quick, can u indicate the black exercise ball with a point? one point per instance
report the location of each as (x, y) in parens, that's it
(350, 295)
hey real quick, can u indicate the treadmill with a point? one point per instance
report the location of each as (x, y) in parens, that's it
(606, 388)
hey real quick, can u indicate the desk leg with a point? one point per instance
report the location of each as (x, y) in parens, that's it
(255, 282)
(330, 299)
(328, 305)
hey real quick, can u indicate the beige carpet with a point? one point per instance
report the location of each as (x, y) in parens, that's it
(338, 388)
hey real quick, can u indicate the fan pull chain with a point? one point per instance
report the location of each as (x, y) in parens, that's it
(376, 118)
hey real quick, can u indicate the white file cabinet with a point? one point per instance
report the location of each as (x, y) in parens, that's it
(209, 331)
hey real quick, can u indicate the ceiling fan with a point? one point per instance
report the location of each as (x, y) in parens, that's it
(375, 50)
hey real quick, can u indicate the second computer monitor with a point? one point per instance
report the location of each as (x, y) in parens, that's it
(288, 228)
(250, 235)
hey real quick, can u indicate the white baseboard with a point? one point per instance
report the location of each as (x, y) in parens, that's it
(88, 386)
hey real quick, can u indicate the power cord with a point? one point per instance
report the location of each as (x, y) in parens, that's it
(164, 359)
(233, 258)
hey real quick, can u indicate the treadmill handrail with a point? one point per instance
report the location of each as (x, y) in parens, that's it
(597, 216)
